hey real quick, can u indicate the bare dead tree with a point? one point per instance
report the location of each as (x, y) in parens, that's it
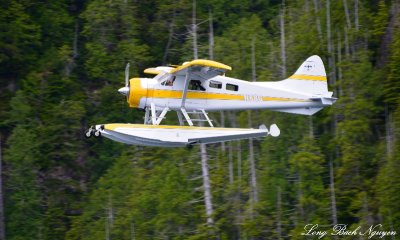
(356, 20)
(317, 19)
(333, 193)
(278, 212)
(171, 26)
(389, 132)
(253, 175)
(346, 13)
(283, 44)
(211, 35)
(2, 226)
(194, 31)
(206, 184)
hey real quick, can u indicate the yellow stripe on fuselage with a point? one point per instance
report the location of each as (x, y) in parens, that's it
(137, 92)
(278, 99)
(308, 77)
(161, 93)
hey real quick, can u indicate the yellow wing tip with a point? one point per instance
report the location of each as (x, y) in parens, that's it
(202, 62)
(211, 63)
(152, 71)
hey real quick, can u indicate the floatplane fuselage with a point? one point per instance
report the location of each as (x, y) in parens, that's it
(200, 86)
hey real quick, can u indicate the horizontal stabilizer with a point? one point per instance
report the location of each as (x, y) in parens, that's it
(325, 100)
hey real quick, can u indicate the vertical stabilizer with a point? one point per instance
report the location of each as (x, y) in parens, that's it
(310, 78)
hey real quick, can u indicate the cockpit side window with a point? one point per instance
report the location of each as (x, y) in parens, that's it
(196, 85)
(169, 82)
(232, 87)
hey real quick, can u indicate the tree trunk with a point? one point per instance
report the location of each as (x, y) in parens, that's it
(211, 35)
(346, 42)
(203, 148)
(211, 56)
(300, 196)
(283, 44)
(356, 21)
(317, 20)
(331, 58)
(253, 192)
(339, 69)
(253, 60)
(70, 65)
(109, 218)
(222, 116)
(253, 175)
(389, 132)
(230, 163)
(333, 195)
(206, 184)
(194, 31)
(346, 12)
(2, 226)
(170, 35)
(278, 213)
(132, 231)
(75, 41)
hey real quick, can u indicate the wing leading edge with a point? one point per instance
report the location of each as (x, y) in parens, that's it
(204, 68)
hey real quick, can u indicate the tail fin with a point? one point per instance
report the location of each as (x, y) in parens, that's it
(310, 78)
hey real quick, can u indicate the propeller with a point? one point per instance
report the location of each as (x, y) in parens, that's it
(125, 90)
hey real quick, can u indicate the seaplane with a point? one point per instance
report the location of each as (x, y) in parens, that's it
(198, 87)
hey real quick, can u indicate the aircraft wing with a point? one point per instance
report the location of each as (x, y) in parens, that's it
(202, 68)
(158, 70)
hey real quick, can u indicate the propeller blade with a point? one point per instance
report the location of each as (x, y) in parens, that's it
(127, 75)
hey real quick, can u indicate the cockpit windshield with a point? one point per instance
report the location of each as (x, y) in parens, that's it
(162, 76)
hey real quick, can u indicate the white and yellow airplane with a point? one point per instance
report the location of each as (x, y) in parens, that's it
(200, 86)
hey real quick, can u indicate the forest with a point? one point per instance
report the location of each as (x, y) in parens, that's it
(62, 62)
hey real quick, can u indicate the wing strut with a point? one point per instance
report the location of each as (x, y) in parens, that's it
(186, 115)
(155, 120)
(185, 88)
(147, 115)
(207, 118)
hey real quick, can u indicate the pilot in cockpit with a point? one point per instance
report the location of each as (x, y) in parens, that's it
(170, 82)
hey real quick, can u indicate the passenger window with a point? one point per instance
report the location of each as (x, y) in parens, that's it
(215, 84)
(196, 85)
(232, 87)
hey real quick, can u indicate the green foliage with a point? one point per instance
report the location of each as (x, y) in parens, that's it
(380, 20)
(61, 63)
(23, 205)
(20, 38)
(236, 44)
(392, 82)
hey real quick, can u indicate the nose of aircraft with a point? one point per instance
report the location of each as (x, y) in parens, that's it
(124, 91)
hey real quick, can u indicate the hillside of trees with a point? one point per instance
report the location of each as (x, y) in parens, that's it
(61, 63)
